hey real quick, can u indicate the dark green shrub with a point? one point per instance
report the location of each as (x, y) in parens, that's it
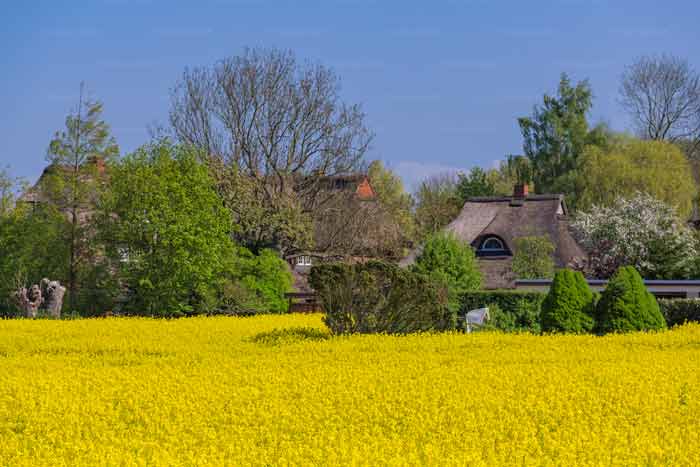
(569, 304)
(679, 311)
(524, 317)
(379, 297)
(450, 261)
(626, 305)
(515, 310)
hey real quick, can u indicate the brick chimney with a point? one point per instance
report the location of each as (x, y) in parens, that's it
(520, 191)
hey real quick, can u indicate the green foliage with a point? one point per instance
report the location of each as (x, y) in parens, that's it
(533, 258)
(378, 297)
(393, 198)
(555, 135)
(510, 310)
(437, 204)
(73, 184)
(626, 305)
(8, 186)
(569, 304)
(259, 284)
(31, 248)
(163, 219)
(629, 165)
(476, 183)
(523, 318)
(679, 311)
(448, 260)
(260, 219)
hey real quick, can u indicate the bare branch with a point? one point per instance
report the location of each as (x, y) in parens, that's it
(662, 96)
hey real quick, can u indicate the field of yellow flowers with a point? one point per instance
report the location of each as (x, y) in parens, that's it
(276, 390)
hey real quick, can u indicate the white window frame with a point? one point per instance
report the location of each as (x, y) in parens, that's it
(483, 247)
(304, 260)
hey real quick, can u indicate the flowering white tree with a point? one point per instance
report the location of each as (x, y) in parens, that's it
(640, 231)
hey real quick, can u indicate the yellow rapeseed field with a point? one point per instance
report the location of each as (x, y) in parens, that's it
(232, 391)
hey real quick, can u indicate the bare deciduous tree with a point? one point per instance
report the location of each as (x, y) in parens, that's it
(278, 122)
(662, 95)
(348, 226)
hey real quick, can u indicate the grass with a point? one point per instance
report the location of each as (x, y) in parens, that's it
(278, 390)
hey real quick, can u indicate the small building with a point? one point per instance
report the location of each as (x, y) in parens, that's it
(492, 224)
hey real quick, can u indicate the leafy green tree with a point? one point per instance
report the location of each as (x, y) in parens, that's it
(450, 261)
(533, 257)
(437, 204)
(630, 165)
(261, 220)
(31, 247)
(75, 178)
(569, 304)
(626, 305)
(555, 135)
(8, 187)
(261, 282)
(513, 171)
(476, 183)
(395, 201)
(168, 230)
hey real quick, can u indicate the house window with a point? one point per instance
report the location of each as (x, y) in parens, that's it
(304, 260)
(492, 244)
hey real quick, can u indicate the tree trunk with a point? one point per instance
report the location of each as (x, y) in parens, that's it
(30, 300)
(54, 292)
(47, 296)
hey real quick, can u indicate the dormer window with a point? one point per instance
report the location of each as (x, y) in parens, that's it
(492, 246)
(304, 260)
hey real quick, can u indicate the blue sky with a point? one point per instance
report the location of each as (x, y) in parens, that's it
(441, 82)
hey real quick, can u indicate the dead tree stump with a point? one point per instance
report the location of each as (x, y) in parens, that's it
(30, 300)
(54, 292)
(48, 296)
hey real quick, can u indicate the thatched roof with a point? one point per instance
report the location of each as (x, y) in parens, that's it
(508, 218)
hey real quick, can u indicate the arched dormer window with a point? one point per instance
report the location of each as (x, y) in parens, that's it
(492, 245)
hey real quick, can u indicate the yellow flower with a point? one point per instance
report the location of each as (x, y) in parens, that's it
(277, 390)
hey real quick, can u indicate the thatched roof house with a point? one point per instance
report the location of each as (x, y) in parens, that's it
(492, 224)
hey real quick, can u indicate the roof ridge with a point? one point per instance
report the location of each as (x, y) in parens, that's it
(504, 198)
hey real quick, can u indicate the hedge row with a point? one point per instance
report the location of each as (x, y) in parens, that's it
(515, 310)
(510, 310)
(678, 311)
